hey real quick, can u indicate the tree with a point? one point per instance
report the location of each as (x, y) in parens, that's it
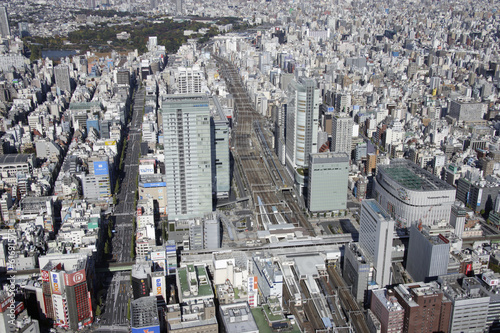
(98, 311)
(164, 232)
(107, 248)
(128, 309)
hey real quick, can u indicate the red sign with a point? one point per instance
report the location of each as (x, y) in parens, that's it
(5, 304)
(444, 239)
(45, 276)
(75, 278)
(19, 308)
(468, 269)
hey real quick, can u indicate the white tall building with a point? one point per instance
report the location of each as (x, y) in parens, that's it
(376, 230)
(178, 7)
(342, 134)
(4, 23)
(188, 167)
(302, 122)
(63, 81)
(189, 80)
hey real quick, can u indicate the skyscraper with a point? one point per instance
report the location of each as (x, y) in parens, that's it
(63, 81)
(302, 122)
(342, 134)
(188, 166)
(388, 311)
(189, 80)
(376, 229)
(4, 23)
(178, 7)
(327, 186)
(426, 308)
(220, 151)
(428, 256)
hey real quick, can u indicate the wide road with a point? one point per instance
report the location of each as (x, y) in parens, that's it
(125, 209)
(114, 317)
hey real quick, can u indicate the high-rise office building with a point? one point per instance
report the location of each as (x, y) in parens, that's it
(470, 304)
(357, 270)
(178, 7)
(189, 80)
(65, 285)
(63, 80)
(388, 311)
(220, 151)
(457, 219)
(188, 165)
(122, 76)
(376, 230)
(327, 186)
(24, 29)
(428, 256)
(302, 122)
(97, 184)
(342, 134)
(4, 23)
(426, 308)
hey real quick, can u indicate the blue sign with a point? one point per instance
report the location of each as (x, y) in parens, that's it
(160, 184)
(101, 168)
(330, 109)
(149, 329)
(93, 123)
(170, 248)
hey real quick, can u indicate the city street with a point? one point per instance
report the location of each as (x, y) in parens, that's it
(114, 318)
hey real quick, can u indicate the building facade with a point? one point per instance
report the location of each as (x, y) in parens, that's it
(376, 230)
(388, 311)
(327, 187)
(411, 195)
(302, 122)
(427, 309)
(188, 165)
(342, 134)
(428, 256)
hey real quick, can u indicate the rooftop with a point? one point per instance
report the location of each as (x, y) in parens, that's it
(14, 158)
(192, 274)
(412, 177)
(375, 206)
(144, 312)
(238, 318)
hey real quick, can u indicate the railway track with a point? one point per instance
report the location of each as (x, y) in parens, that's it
(264, 176)
(351, 309)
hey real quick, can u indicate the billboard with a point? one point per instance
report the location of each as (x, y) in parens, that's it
(45, 276)
(56, 283)
(75, 278)
(110, 143)
(159, 286)
(101, 168)
(171, 249)
(146, 169)
(159, 184)
(157, 255)
(252, 284)
(5, 304)
(58, 303)
(150, 329)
